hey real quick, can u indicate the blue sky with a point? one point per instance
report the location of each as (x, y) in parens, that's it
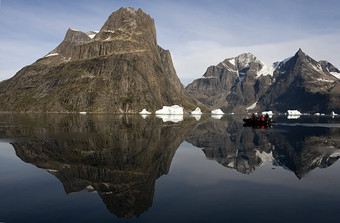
(197, 33)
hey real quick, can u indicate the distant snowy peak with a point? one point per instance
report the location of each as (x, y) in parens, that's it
(242, 62)
(245, 59)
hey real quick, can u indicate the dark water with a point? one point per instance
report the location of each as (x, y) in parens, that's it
(107, 168)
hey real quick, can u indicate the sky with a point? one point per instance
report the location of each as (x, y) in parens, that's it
(198, 33)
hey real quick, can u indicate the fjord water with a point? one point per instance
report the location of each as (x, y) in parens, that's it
(110, 168)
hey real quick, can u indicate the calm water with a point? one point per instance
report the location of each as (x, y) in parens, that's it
(107, 168)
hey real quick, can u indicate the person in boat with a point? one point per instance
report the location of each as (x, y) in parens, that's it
(261, 118)
(253, 117)
(266, 117)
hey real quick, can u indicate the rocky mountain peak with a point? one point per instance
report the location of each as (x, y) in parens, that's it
(120, 69)
(72, 39)
(128, 24)
(245, 59)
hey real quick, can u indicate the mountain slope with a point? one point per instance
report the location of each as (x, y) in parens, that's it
(303, 83)
(119, 69)
(244, 83)
(233, 84)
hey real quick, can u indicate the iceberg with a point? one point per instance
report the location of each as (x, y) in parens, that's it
(293, 113)
(197, 117)
(269, 113)
(82, 113)
(196, 112)
(170, 110)
(217, 112)
(144, 112)
(170, 118)
(333, 113)
(216, 116)
(293, 116)
(317, 114)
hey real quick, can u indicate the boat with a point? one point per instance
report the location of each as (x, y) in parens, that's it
(254, 122)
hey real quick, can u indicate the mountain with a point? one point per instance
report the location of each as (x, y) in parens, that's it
(305, 84)
(244, 83)
(119, 69)
(233, 84)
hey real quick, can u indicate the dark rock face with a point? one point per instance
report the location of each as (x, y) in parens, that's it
(295, 83)
(119, 158)
(304, 84)
(233, 84)
(120, 70)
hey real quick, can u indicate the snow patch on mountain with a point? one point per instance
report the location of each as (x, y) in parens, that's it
(52, 54)
(266, 70)
(265, 157)
(335, 74)
(251, 107)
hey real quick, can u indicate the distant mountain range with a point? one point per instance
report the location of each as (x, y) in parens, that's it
(244, 83)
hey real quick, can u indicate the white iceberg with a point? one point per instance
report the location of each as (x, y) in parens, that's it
(171, 118)
(196, 112)
(170, 110)
(144, 112)
(317, 114)
(216, 116)
(197, 117)
(293, 116)
(333, 113)
(217, 112)
(82, 113)
(269, 113)
(293, 113)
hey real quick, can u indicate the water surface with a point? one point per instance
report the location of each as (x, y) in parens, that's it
(109, 168)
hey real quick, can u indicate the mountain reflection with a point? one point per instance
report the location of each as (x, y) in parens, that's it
(297, 148)
(120, 157)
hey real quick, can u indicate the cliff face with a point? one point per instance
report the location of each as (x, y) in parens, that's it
(119, 69)
(244, 83)
(305, 84)
(233, 84)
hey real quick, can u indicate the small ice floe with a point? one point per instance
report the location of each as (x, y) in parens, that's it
(293, 112)
(269, 113)
(317, 114)
(196, 112)
(171, 118)
(144, 112)
(217, 112)
(82, 113)
(197, 117)
(170, 110)
(293, 116)
(333, 113)
(216, 116)
(144, 116)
